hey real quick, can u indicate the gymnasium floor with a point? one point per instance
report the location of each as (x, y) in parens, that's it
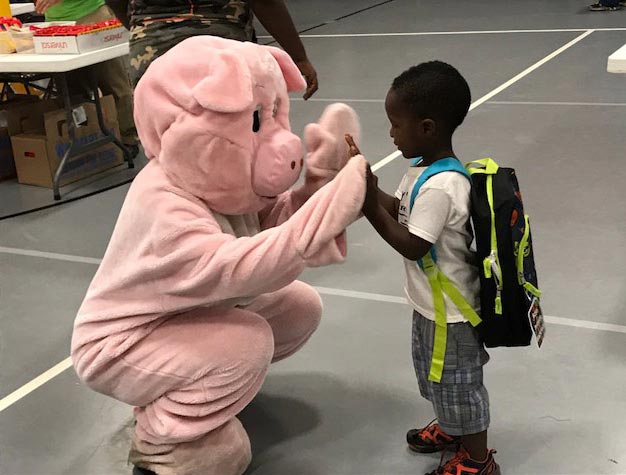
(342, 405)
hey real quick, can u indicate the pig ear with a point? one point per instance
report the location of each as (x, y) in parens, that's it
(291, 73)
(228, 85)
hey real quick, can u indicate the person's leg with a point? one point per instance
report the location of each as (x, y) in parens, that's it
(476, 445)
(113, 80)
(461, 401)
(293, 313)
(429, 438)
(188, 379)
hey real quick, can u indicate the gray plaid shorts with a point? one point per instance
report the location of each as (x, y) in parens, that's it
(460, 400)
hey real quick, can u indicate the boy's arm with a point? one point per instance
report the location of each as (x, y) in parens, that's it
(397, 236)
(390, 203)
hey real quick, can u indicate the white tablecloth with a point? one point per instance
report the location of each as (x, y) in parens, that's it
(57, 63)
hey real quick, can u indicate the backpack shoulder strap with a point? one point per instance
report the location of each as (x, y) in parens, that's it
(444, 165)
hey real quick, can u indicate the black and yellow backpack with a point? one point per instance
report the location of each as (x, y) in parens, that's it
(509, 296)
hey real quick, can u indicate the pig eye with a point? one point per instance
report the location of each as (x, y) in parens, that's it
(256, 120)
(275, 111)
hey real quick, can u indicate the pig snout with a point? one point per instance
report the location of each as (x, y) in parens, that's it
(278, 163)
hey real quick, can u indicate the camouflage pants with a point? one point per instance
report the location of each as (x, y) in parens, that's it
(152, 38)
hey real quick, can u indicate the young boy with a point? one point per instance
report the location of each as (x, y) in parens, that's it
(425, 105)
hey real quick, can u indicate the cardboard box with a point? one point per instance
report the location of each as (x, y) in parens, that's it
(22, 114)
(38, 155)
(23, 39)
(82, 43)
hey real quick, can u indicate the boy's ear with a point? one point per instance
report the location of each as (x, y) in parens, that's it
(429, 127)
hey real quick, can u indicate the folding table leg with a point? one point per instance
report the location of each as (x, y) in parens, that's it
(61, 82)
(94, 86)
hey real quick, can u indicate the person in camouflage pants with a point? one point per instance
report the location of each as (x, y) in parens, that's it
(158, 25)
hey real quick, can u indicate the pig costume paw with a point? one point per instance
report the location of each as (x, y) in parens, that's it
(327, 155)
(328, 151)
(197, 294)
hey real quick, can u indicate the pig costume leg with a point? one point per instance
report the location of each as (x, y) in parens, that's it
(186, 401)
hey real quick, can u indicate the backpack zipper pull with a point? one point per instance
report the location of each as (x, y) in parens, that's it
(498, 304)
(492, 269)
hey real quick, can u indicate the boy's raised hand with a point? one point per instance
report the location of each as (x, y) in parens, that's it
(353, 151)
(371, 194)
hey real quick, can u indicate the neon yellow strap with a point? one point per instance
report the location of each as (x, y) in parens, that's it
(441, 331)
(487, 267)
(439, 285)
(485, 165)
(491, 264)
(457, 299)
(532, 289)
(521, 251)
(441, 324)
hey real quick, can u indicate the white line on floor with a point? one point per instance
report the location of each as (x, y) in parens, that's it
(66, 363)
(444, 33)
(529, 70)
(361, 295)
(568, 322)
(538, 103)
(49, 255)
(329, 99)
(506, 103)
(40, 380)
(389, 158)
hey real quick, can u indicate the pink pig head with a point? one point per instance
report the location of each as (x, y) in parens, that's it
(215, 114)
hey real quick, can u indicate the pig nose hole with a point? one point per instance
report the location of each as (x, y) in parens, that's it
(293, 165)
(302, 163)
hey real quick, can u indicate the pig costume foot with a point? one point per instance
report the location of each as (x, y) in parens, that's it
(142, 471)
(226, 451)
(197, 293)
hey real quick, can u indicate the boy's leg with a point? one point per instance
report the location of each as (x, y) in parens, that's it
(430, 438)
(460, 400)
(476, 445)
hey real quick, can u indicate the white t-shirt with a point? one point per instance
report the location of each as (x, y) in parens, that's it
(440, 215)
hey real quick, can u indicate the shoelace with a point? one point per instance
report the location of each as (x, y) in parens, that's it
(460, 455)
(434, 431)
(429, 427)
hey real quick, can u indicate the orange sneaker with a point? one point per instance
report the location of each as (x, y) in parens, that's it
(463, 464)
(430, 439)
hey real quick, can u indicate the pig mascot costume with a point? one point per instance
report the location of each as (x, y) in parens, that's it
(197, 292)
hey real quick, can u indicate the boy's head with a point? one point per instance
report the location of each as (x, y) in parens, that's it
(425, 105)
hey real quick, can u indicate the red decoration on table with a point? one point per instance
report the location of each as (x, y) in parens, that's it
(76, 29)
